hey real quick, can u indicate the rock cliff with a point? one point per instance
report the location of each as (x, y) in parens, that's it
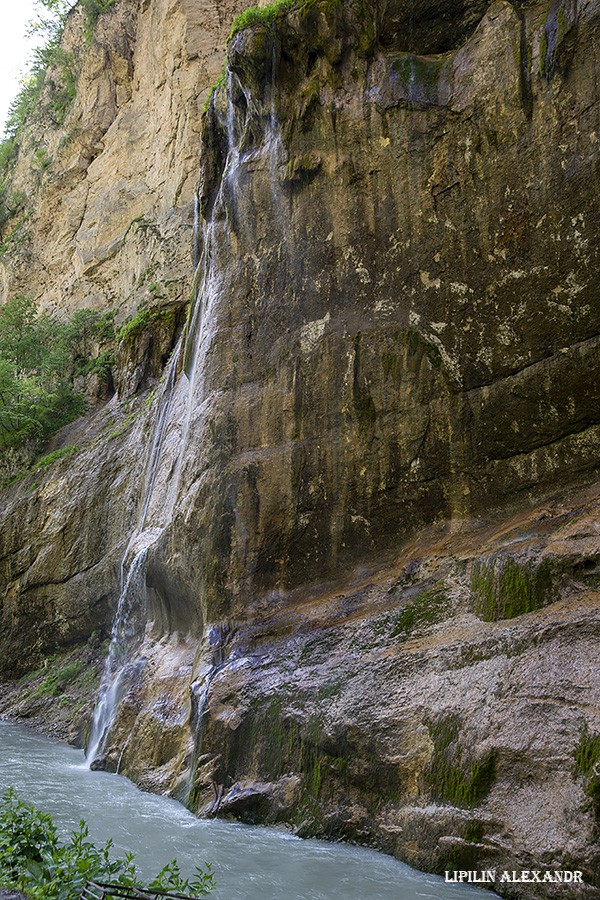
(358, 510)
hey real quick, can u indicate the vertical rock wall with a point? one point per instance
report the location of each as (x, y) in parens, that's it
(422, 348)
(111, 214)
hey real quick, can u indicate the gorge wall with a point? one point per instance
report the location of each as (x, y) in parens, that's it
(359, 487)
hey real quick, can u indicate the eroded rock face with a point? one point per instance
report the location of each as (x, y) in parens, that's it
(424, 347)
(392, 349)
(112, 207)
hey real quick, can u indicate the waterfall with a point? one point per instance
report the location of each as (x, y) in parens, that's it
(130, 617)
(123, 749)
(217, 636)
(121, 666)
(551, 31)
(160, 428)
(195, 250)
(233, 153)
(117, 672)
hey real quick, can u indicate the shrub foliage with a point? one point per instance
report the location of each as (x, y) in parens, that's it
(34, 858)
(38, 361)
(36, 398)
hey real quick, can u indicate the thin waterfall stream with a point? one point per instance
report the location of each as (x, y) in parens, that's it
(129, 621)
(130, 617)
(250, 863)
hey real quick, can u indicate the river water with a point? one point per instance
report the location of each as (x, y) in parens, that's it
(250, 863)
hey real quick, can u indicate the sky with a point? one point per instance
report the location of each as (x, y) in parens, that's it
(15, 50)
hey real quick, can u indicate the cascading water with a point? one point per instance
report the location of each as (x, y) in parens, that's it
(274, 143)
(128, 626)
(118, 672)
(217, 637)
(551, 30)
(159, 435)
(122, 667)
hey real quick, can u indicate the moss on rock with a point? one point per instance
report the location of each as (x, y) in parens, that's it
(507, 589)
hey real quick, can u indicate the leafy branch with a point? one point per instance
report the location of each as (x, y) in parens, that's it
(33, 858)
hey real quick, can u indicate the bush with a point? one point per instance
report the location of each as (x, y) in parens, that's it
(86, 328)
(53, 682)
(24, 103)
(11, 202)
(263, 15)
(63, 87)
(39, 360)
(8, 153)
(92, 10)
(33, 858)
(36, 395)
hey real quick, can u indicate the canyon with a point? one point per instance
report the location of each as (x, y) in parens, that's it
(336, 507)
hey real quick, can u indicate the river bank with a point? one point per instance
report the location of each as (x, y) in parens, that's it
(507, 785)
(57, 697)
(250, 863)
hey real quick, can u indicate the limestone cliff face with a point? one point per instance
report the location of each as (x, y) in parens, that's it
(430, 333)
(112, 202)
(109, 227)
(364, 490)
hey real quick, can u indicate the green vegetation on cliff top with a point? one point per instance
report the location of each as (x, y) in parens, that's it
(143, 317)
(256, 15)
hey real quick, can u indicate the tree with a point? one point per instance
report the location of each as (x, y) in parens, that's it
(36, 394)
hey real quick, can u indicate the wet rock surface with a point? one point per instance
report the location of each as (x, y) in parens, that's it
(412, 334)
(399, 708)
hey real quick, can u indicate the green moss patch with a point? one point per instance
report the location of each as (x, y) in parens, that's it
(473, 832)
(427, 609)
(450, 778)
(587, 756)
(507, 589)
